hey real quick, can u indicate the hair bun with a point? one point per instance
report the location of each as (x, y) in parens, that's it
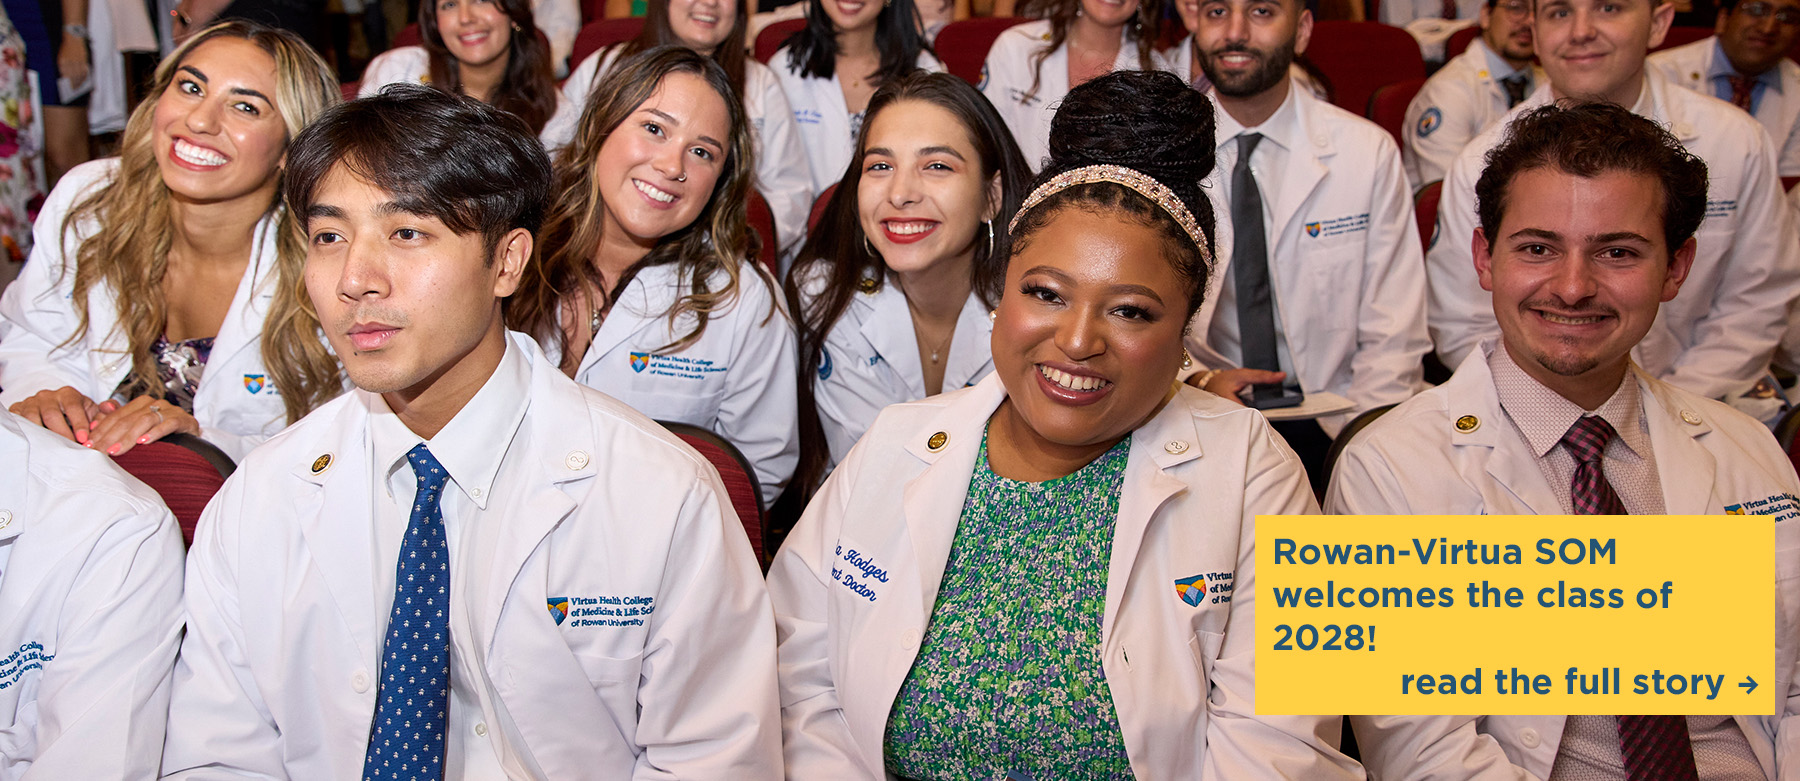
(1148, 120)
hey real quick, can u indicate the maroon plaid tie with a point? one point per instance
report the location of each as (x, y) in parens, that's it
(1589, 491)
(1656, 748)
(1742, 88)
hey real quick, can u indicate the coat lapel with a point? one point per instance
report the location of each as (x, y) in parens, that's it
(554, 445)
(1684, 467)
(332, 502)
(1147, 485)
(1306, 167)
(1502, 454)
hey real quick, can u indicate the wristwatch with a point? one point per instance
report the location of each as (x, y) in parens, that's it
(77, 30)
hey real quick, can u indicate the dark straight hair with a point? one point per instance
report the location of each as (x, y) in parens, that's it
(812, 51)
(528, 89)
(472, 166)
(658, 32)
(838, 253)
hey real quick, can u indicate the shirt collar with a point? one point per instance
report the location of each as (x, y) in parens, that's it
(1721, 69)
(471, 446)
(1544, 416)
(1498, 67)
(1280, 127)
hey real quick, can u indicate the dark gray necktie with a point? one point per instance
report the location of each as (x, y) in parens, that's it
(1515, 88)
(1250, 263)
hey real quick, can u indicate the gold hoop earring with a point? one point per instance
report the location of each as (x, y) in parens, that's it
(517, 28)
(990, 227)
(870, 248)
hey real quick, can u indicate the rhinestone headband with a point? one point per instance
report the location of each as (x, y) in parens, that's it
(1132, 178)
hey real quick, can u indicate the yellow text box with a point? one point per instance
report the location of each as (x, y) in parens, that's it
(1687, 615)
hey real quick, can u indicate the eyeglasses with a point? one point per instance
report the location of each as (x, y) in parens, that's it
(1514, 9)
(1789, 16)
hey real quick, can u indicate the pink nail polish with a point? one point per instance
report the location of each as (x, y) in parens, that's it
(144, 440)
(112, 451)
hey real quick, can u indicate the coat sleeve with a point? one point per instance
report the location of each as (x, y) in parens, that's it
(1236, 737)
(1731, 345)
(219, 725)
(1459, 313)
(1363, 483)
(707, 696)
(759, 412)
(36, 313)
(1391, 338)
(103, 703)
(816, 738)
(1432, 146)
(782, 174)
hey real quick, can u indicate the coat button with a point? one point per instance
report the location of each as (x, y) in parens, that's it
(1528, 738)
(1690, 418)
(911, 639)
(359, 681)
(577, 459)
(1176, 447)
(5, 518)
(481, 729)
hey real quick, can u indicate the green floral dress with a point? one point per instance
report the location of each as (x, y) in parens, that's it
(1008, 677)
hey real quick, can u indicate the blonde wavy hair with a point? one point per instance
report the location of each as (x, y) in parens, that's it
(715, 243)
(129, 252)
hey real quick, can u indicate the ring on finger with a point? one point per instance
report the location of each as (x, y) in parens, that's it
(158, 411)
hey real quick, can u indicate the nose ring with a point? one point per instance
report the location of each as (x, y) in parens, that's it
(681, 178)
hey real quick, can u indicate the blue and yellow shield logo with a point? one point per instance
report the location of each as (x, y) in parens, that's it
(1735, 509)
(1312, 229)
(254, 382)
(1191, 590)
(639, 362)
(559, 609)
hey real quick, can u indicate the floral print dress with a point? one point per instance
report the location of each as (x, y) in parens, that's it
(1008, 683)
(18, 182)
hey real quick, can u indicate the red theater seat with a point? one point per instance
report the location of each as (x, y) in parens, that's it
(1361, 57)
(739, 478)
(184, 470)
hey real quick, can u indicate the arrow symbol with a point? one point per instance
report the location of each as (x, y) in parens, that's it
(1749, 684)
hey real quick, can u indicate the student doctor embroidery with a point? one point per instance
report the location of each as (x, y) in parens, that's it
(996, 569)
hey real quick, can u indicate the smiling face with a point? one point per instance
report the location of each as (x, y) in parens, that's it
(1246, 46)
(1754, 37)
(411, 307)
(702, 25)
(921, 198)
(657, 169)
(1594, 49)
(1578, 270)
(477, 32)
(218, 133)
(852, 15)
(1109, 13)
(1087, 336)
(1506, 29)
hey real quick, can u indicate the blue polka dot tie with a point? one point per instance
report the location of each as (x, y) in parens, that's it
(413, 702)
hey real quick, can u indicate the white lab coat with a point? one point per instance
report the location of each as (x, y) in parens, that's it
(1200, 470)
(1007, 74)
(737, 380)
(277, 675)
(237, 404)
(1413, 460)
(1351, 305)
(1399, 12)
(824, 118)
(560, 22)
(1455, 105)
(1716, 338)
(412, 65)
(782, 176)
(90, 612)
(871, 361)
(1777, 110)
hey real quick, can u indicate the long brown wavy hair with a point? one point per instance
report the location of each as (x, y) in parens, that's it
(129, 252)
(528, 90)
(1062, 13)
(713, 245)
